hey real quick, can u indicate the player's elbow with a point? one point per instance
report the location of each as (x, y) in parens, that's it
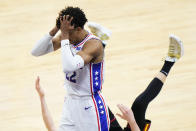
(34, 53)
(65, 70)
(73, 64)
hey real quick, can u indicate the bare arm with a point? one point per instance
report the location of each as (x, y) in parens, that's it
(128, 115)
(48, 121)
(57, 42)
(91, 51)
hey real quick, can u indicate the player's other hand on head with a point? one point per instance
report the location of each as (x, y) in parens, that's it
(40, 91)
(127, 113)
(58, 24)
(66, 23)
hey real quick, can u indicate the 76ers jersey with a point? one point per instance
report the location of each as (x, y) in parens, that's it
(87, 80)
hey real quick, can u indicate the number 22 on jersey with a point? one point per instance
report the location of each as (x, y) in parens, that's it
(71, 77)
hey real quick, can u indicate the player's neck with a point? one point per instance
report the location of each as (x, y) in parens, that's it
(81, 36)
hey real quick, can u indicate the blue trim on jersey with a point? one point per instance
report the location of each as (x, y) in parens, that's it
(102, 113)
(96, 77)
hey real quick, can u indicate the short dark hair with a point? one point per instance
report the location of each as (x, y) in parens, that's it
(79, 18)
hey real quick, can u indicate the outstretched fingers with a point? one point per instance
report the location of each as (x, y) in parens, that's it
(66, 21)
(40, 91)
(127, 113)
(37, 85)
(120, 107)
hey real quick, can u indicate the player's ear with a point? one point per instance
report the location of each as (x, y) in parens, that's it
(78, 28)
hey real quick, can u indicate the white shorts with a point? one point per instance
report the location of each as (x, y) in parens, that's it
(89, 113)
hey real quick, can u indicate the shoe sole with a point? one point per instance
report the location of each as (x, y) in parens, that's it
(99, 28)
(176, 38)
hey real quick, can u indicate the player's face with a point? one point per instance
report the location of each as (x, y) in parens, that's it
(73, 36)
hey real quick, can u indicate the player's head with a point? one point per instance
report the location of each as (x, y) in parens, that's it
(79, 18)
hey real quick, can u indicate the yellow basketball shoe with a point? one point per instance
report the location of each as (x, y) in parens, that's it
(176, 49)
(99, 31)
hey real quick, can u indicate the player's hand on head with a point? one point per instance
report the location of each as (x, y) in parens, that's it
(40, 91)
(56, 28)
(127, 113)
(66, 23)
(58, 22)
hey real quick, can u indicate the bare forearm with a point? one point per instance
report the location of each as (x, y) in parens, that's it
(53, 31)
(133, 125)
(48, 121)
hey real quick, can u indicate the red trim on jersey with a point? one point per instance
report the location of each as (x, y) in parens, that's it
(96, 113)
(106, 109)
(94, 100)
(82, 41)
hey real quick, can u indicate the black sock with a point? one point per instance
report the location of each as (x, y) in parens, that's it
(166, 67)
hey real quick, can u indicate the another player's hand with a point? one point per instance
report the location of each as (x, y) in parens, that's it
(40, 91)
(127, 113)
(66, 25)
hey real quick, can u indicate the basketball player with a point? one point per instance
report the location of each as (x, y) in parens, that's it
(139, 106)
(83, 64)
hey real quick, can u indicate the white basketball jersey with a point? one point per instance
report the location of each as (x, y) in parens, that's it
(87, 80)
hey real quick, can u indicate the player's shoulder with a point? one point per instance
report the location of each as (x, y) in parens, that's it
(93, 43)
(93, 47)
(93, 39)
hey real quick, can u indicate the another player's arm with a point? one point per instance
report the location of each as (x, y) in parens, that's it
(127, 114)
(48, 121)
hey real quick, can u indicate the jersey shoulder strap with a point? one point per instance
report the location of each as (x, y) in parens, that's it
(88, 37)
